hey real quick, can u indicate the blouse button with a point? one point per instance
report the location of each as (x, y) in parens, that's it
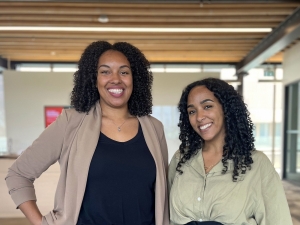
(200, 220)
(199, 199)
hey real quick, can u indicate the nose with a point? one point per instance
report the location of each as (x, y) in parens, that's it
(200, 116)
(115, 78)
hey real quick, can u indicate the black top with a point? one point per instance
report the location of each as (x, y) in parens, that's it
(120, 185)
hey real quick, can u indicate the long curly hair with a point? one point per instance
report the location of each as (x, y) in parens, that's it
(239, 139)
(85, 93)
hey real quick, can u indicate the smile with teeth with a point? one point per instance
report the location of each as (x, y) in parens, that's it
(115, 91)
(205, 126)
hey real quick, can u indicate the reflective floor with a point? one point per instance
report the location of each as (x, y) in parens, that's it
(292, 191)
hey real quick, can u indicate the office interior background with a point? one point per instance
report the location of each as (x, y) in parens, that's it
(253, 45)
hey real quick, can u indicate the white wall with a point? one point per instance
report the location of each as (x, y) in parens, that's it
(291, 64)
(167, 87)
(26, 94)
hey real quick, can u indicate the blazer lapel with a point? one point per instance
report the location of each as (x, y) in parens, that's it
(153, 144)
(87, 140)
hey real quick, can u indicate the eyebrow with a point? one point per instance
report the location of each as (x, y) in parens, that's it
(109, 67)
(206, 100)
(202, 102)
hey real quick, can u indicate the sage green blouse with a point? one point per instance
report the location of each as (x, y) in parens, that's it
(257, 198)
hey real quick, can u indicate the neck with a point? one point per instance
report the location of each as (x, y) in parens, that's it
(115, 113)
(213, 147)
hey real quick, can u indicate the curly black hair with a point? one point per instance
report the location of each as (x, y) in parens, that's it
(239, 139)
(85, 93)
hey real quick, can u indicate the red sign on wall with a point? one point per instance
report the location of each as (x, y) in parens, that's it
(51, 113)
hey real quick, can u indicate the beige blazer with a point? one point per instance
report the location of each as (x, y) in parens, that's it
(71, 140)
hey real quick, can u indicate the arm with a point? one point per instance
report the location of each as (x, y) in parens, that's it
(37, 158)
(172, 173)
(273, 208)
(31, 211)
(172, 169)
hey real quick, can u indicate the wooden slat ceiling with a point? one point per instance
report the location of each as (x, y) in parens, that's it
(55, 46)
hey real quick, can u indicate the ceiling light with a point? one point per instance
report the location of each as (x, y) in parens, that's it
(34, 69)
(103, 19)
(133, 29)
(64, 69)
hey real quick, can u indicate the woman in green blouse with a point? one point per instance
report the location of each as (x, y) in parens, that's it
(217, 175)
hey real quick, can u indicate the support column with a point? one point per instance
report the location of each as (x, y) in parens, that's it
(240, 87)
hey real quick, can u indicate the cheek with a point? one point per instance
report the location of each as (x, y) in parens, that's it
(129, 81)
(192, 121)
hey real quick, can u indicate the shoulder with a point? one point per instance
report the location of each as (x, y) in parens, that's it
(157, 124)
(176, 157)
(155, 121)
(262, 162)
(72, 114)
(259, 157)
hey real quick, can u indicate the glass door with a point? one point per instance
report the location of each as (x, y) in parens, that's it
(292, 132)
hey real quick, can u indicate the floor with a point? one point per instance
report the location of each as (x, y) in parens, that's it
(292, 191)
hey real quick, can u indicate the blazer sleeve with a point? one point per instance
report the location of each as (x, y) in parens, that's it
(164, 149)
(36, 159)
(273, 208)
(159, 128)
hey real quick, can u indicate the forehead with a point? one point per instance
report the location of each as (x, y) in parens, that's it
(113, 56)
(200, 93)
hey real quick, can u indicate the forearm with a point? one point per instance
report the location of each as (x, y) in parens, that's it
(32, 212)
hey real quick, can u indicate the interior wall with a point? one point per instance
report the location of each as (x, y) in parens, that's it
(291, 65)
(167, 87)
(25, 95)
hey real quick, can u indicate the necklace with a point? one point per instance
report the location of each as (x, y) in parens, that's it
(119, 127)
(207, 168)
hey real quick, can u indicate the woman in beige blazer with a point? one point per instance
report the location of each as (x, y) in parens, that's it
(112, 154)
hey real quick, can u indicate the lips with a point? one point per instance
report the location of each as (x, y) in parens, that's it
(116, 91)
(203, 127)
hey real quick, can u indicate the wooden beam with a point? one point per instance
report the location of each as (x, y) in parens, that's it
(86, 41)
(141, 19)
(46, 11)
(131, 36)
(179, 5)
(282, 36)
(157, 47)
(219, 24)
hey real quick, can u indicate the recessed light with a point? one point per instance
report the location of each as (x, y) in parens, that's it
(103, 19)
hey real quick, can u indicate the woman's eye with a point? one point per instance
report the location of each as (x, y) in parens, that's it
(191, 112)
(104, 72)
(124, 72)
(207, 106)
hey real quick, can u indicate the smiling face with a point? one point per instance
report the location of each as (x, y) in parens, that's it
(206, 115)
(114, 79)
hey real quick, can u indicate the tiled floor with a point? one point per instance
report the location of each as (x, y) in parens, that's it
(292, 191)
